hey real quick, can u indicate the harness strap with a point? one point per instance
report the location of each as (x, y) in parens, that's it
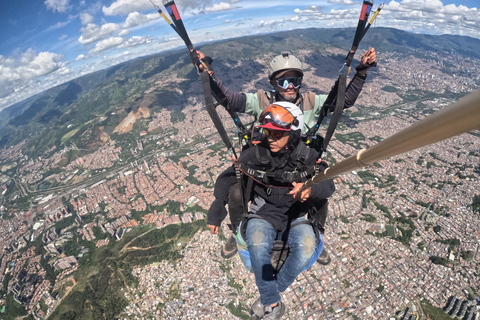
(359, 33)
(263, 155)
(211, 109)
(247, 194)
(222, 100)
(338, 90)
(261, 176)
(209, 85)
(337, 113)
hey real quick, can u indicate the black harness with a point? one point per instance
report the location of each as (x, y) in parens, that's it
(270, 172)
(270, 168)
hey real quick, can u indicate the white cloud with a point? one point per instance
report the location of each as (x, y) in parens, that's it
(222, 6)
(134, 41)
(123, 7)
(428, 16)
(107, 44)
(63, 71)
(309, 10)
(57, 5)
(342, 17)
(58, 25)
(123, 33)
(194, 5)
(346, 2)
(15, 72)
(80, 57)
(92, 32)
(270, 24)
(86, 18)
(432, 16)
(135, 19)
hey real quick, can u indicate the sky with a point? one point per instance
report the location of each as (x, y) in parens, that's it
(44, 43)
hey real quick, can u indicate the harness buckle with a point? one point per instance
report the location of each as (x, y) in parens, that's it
(289, 176)
(256, 173)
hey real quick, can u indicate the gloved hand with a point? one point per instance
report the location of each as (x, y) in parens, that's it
(369, 59)
(207, 60)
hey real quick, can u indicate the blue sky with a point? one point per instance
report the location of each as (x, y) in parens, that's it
(44, 43)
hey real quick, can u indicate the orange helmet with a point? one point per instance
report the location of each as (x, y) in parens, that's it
(281, 116)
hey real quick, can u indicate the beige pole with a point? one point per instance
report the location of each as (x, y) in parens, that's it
(459, 117)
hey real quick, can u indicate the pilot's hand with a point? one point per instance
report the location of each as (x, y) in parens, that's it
(368, 60)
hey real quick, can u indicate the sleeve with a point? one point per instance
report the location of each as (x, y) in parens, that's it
(351, 94)
(253, 105)
(319, 101)
(353, 90)
(324, 189)
(240, 102)
(215, 214)
(236, 100)
(248, 157)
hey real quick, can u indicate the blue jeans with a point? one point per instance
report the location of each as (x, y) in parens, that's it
(260, 236)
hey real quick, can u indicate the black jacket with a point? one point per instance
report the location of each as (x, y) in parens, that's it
(274, 203)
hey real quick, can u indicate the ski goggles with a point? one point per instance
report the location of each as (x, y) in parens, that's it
(276, 134)
(286, 82)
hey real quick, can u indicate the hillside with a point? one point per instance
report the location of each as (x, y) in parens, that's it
(105, 182)
(109, 95)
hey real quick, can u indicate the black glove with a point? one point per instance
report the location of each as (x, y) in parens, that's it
(208, 60)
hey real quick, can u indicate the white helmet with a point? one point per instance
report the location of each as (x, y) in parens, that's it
(284, 61)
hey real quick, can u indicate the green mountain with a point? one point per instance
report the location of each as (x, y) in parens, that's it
(104, 98)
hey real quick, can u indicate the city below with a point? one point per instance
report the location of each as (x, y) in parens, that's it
(121, 227)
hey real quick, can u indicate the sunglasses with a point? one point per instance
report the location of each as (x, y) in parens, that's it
(286, 82)
(276, 134)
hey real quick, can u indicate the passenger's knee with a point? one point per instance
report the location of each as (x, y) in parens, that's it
(309, 246)
(257, 238)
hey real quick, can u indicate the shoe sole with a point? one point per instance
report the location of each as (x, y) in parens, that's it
(228, 254)
(283, 309)
(256, 311)
(324, 261)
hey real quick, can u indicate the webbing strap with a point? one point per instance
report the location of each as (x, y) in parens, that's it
(175, 15)
(222, 100)
(213, 113)
(262, 176)
(247, 194)
(339, 89)
(179, 27)
(360, 32)
(337, 113)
